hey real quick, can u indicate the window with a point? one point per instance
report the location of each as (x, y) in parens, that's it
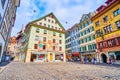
(117, 12)
(119, 40)
(60, 41)
(36, 38)
(105, 19)
(40, 23)
(44, 47)
(48, 20)
(54, 34)
(113, 42)
(56, 28)
(37, 30)
(52, 21)
(53, 40)
(35, 46)
(60, 35)
(48, 26)
(109, 43)
(108, 29)
(98, 33)
(0, 17)
(97, 23)
(60, 48)
(44, 25)
(53, 47)
(45, 31)
(92, 28)
(3, 3)
(44, 39)
(53, 27)
(118, 24)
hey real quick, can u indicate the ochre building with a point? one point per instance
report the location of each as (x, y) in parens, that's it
(107, 28)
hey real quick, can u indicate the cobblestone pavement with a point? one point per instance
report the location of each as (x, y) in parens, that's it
(59, 71)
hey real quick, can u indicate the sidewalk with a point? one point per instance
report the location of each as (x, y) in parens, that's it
(3, 65)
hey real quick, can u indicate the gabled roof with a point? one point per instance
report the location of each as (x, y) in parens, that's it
(46, 16)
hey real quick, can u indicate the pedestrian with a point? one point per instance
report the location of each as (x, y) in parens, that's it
(93, 60)
(82, 60)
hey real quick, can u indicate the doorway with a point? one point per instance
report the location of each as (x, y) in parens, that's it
(51, 56)
(104, 58)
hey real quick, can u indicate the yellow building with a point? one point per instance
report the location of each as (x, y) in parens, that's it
(45, 40)
(107, 28)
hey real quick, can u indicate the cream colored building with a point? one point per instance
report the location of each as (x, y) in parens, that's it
(45, 40)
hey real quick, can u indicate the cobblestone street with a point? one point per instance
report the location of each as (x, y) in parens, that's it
(59, 71)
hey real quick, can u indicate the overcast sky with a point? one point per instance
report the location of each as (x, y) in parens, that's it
(69, 11)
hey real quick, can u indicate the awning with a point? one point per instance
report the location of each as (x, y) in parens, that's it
(76, 54)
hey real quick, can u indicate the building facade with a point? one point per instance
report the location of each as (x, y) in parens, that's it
(73, 42)
(87, 37)
(7, 18)
(45, 40)
(107, 28)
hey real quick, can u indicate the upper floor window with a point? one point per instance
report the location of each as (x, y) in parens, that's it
(48, 26)
(3, 3)
(118, 24)
(60, 35)
(53, 47)
(60, 41)
(45, 31)
(35, 46)
(117, 12)
(36, 38)
(105, 18)
(44, 47)
(60, 48)
(97, 23)
(54, 41)
(98, 33)
(48, 20)
(56, 28)
(108, 29)
(45, 19)
(54, 33)
(44, 25)
(37, 30)
(44, 39)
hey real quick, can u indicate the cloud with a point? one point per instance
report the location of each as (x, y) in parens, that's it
(69, 11)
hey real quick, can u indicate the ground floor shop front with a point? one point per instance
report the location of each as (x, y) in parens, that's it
(105, 57)
(47, 57)
(89, 56)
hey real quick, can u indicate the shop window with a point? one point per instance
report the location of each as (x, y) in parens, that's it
(53, 40)
(117, 55)
(35, 46)
(118, 24)
(117, 12)
(37, 30)
(44, 39)
(44, 47)
(105, 19)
